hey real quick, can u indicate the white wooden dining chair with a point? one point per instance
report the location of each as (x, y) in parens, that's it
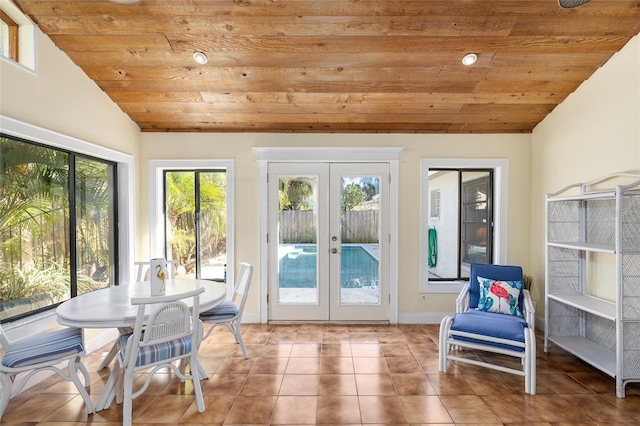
(171, 333)
(45, 351)
(142, 274)
(229, 312)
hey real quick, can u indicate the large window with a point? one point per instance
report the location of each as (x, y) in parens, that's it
(57, 226)
(463, 219)
(196, 222)
(463, 233)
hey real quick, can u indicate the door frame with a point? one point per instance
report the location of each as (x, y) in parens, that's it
(390, 155)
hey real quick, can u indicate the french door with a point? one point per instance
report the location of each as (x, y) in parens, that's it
(328, 241)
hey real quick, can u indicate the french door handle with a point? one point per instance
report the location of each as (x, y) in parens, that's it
(334, 251)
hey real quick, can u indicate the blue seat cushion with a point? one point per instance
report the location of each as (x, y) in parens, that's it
(226, 309)
(47, 347)
(490, 324)
(158, 352)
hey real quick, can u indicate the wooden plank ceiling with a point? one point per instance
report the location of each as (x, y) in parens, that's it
(337, 65)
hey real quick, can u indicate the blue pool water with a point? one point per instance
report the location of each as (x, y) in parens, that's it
(298, 268)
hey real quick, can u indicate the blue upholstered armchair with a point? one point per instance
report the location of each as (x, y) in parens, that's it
(494, 313)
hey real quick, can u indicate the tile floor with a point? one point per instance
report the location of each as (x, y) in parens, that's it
(344, 374)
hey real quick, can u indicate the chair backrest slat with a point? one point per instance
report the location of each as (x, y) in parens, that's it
(242, 285)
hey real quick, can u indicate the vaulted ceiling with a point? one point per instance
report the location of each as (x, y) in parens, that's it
(337, 65)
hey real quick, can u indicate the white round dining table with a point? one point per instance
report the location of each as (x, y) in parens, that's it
(111, 307)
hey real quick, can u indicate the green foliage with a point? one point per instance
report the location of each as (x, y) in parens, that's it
(181, 214)
(352, 196)
(296, 194)
(34, 221)
(18, 283)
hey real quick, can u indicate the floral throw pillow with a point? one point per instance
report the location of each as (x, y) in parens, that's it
(500, 296)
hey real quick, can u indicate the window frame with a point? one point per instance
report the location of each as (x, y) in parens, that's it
(25, 33)
(156, 171)
(500, 168)
(13, 41)
(125, 202)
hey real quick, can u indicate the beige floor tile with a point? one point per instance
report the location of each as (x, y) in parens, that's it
(295, 410)
(370, 366)
(381, 409)
(299, 384)
(303, 366)
(375, 384)
(262, 384)
(468, 409)
(336, 366)
(338, 409)
(412, 384)
(252, 410)
(420, 409)
(337, 384)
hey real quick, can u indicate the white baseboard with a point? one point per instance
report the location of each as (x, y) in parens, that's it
(422, 318)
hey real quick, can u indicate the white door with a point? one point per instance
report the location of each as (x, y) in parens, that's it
(328, 241)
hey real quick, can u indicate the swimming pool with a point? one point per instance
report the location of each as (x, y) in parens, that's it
(298, 267)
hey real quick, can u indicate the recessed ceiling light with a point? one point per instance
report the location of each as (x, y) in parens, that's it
(469, 59)
(568, 4)
(200, 58)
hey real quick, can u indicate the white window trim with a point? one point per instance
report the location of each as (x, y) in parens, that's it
(500, 167)
(156, 203)
(389, 155)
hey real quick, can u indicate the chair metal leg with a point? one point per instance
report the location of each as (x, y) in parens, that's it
(443, 349)
(235, 329)
(197, 387)
(530, 365)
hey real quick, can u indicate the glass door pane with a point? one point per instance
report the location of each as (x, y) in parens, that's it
(298, 240)
(359, 232)
(360, 237)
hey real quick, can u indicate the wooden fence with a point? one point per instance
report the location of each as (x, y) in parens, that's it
(297, 227)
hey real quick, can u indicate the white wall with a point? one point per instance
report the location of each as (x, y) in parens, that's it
(593, 133)
(59, 97)
(413, 306)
